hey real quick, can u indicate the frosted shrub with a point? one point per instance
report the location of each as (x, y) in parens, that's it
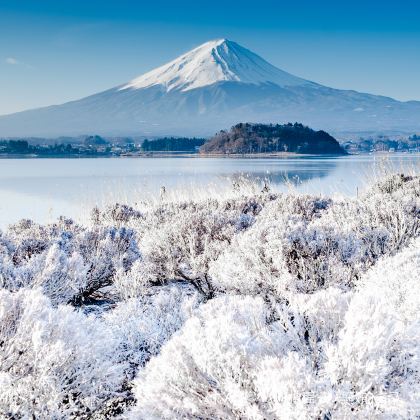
(143, 324)
(304, 243)
(69, 262)
(322, 313)
(106, 250)
(186, 237)
(256, 306)
(375, 365)
(214, 367)
(397, 182)
(330, 354)
(54, 362)
(383, 222)
(265, 258)
(61, 276)
(136, 281)
(118, 214)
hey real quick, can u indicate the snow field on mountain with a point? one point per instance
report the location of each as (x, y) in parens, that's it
(246, 305)
(215, 61)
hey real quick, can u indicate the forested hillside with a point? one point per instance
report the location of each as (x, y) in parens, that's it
(269, 138)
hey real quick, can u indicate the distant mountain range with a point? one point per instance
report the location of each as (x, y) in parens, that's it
(214, 86)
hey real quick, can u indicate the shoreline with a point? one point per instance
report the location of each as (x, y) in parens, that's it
(151, 155)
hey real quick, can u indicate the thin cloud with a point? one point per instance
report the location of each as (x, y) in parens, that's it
(11, 60)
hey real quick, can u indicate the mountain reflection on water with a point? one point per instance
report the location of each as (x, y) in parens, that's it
(294, 177)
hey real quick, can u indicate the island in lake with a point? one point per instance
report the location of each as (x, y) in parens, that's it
(249, 138)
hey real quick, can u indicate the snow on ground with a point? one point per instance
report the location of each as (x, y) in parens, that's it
(251, 305)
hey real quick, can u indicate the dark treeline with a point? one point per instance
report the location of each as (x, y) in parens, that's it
(270, 138)
(172, 144)
(23, 147)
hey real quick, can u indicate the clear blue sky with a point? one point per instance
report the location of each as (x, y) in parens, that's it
(52, 51)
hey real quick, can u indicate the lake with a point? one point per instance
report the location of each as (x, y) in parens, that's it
(43, 189)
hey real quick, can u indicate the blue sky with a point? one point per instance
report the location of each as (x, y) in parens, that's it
(55, 51)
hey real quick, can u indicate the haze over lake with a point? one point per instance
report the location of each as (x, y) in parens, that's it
(43, 189)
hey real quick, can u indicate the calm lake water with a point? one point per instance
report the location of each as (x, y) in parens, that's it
(43, 189)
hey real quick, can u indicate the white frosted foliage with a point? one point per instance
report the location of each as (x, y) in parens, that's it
(241, 304)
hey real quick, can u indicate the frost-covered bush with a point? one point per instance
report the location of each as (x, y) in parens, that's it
(144, 324)
(333, 355)
(70, 263)
(58, 363)
(306, 243)
(238, 357)
(278, 253)
(375, 366)
(118, 214)
(213, 368)
(242, 305)
(54, 362)
(397, 182)
(106, 250)
(181, 239)
(383, 221)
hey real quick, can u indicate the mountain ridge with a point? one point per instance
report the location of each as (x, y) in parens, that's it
(211, 87)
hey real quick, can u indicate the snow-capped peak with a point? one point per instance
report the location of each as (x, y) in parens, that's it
(212, 62)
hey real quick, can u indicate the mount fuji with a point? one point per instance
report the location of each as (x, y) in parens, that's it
(214, 86)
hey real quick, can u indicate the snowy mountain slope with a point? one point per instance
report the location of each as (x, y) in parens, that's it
(215, 61)
(211, 87)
